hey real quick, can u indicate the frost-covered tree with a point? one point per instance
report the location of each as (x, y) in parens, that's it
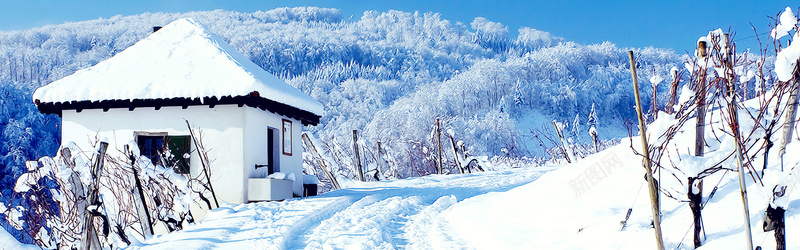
(591, 122)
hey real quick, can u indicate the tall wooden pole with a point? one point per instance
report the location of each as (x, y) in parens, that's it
(700, 90)
(734, 119)
(313, 149)
(648, 168)
(139, 197)
(439, 143)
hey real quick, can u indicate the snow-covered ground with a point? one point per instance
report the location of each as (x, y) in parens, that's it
(575, 206)
(385, 215)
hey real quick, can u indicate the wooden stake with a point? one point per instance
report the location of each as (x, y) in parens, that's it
(734, 119)
(648, 168)
(89, 238)
(139, 198)
(700, 90)
(563, 145)
(439, 144)
(455, 155)
(359, 171)
(203, 158)
(310, 146)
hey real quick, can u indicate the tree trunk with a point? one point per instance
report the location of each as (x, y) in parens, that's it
(775, 221)
(439, 146)
(695, 203)
(359, 171)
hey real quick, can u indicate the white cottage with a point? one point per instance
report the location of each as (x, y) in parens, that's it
(250, 120)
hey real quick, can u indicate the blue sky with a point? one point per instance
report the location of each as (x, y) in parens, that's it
(664, 24)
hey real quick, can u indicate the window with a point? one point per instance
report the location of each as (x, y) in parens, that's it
(287, 137)
(165, 150)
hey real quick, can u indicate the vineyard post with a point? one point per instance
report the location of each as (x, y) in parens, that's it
(649, 173)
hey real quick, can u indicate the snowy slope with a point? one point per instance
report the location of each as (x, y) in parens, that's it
(574, 206)
(562, 216)
(485, 211)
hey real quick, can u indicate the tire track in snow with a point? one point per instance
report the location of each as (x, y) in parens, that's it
(404, 217)
(373, 215)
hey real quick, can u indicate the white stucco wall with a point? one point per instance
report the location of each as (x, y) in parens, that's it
(235, 137)
(256, 123)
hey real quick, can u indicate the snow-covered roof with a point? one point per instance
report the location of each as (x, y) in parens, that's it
(181, 60)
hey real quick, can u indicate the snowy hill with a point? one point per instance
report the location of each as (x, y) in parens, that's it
(370, 71)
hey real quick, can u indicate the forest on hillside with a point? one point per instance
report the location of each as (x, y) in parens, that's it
(370, 74)
(389, 75)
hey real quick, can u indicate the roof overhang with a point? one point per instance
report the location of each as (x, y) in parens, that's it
(251, 100)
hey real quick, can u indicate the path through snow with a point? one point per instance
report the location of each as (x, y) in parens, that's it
(373, 215)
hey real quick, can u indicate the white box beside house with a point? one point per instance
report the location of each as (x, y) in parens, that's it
(184, 73)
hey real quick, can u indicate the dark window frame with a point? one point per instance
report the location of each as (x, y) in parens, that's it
(148, 141)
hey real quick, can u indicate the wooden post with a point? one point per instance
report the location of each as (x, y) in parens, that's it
(455, 155)
(320, 160)
(563, 145)
(439, 145)
(66, 156)
(139, 198)
(654, 101)
(89, 238)
(203, 158)
(791, 115)
(700, 91)
(359, 171)
(733, 110)
(673, 92)
(464, 152)
(648, 168)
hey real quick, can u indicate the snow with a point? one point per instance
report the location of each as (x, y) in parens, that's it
(787, 22)
(573, 206)
(656, 79)
(369, 215)
(183, 59)
(9, 242)
(786, 61)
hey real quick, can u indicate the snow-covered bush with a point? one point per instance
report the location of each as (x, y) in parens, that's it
(54, 196)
